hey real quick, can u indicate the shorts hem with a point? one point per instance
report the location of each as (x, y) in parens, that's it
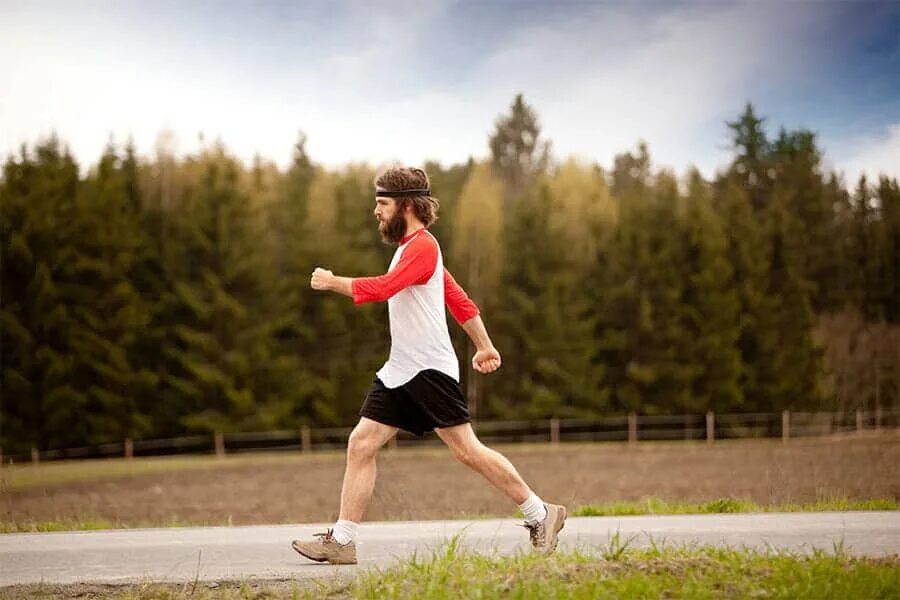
(454, 423)
(380, 419)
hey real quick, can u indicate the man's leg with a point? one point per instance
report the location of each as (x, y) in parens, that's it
(495, 467)
(544, 521)
(337, 545)
(359, 477)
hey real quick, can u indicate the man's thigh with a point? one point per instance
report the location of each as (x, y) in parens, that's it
(458, 436)
(377, 433)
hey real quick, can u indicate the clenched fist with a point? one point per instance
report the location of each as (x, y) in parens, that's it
(486, 361)
(321, 279)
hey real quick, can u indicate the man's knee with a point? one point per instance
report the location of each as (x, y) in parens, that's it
(362, 446)
(468, 452)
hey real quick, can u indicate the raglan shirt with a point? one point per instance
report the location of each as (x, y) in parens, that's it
(416, 287)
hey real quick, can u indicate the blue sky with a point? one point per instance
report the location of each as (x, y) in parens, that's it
(409, 81)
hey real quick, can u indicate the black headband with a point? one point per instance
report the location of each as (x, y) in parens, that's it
(401, 193)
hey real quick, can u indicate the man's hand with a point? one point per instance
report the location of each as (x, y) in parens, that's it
(486, 361)
(321, 279)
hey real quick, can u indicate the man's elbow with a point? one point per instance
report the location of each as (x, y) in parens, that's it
(465, 319)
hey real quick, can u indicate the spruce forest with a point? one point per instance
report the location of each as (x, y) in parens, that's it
(149, 297)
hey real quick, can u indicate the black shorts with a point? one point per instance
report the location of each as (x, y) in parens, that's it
(430, 399)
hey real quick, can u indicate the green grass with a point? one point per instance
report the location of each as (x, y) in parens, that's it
(615, 570)
(622, 572)
(90, 525)
(647, 506)
(62, 525)
(657, 506)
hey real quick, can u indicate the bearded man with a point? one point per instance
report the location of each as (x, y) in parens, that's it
(418, 389)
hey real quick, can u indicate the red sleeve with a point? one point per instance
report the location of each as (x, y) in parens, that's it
(461, 307)
(415, 267)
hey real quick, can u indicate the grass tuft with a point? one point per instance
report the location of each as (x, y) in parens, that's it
(618, 570)
(87, 524)
(614, 570)
(657, 506)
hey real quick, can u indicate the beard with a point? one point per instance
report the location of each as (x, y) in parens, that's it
(393, 230)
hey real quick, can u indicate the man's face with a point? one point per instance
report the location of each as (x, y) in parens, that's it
(391, 220)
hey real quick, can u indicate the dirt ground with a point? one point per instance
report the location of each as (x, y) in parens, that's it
(429, 484)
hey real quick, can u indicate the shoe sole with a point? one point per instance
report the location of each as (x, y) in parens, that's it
(319, 560)
(302, 553)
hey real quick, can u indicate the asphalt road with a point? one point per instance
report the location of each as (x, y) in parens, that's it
(264, 552)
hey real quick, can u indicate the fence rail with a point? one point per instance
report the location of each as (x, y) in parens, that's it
(630, 428)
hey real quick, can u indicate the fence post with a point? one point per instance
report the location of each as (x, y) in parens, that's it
(710, 427)
(35, 457)
(632, 427)
(129, 448)
(878, 418)
(219, 440)
(785, 425)
(305, 439)
(859, 420)
(554, 431)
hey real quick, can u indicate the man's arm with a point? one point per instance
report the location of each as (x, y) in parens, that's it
(415, 267)
(487, 358)
(325, 280)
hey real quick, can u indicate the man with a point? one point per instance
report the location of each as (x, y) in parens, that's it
(417, 389)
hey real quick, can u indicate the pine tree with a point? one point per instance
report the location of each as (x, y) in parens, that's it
(517, 150)
(888, 195)
(752, 166)
(710, 307)
(796, 162)
(293, 335)
(631, 172)
(838, 287)
(749, 265)
(545, 329)
(220, 347)
(477, 255)
(478, 249)
(794, 367)
(639, 325)
(41, 405)
(109, 314)
(864, 251)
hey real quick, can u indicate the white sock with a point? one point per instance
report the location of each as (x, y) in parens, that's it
(534, 510)
(344, 532)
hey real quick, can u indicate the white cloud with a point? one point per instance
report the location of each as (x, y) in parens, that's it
(670, 79)
(600, 81)
(874, 156)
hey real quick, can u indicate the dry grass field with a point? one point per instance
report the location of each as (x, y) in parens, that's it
(427, 483)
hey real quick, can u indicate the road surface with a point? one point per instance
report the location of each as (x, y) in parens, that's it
(264, 552)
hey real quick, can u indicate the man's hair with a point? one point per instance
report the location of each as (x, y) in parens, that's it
(397, 179)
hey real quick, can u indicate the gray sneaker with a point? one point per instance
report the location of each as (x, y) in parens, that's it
(326, 549)
(545, 535)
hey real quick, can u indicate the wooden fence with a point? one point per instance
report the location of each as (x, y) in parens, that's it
(631, 428)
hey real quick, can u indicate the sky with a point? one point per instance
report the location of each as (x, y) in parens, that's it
(382, 82)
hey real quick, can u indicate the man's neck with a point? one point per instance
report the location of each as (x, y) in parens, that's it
(410, 234)
(413, 226)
